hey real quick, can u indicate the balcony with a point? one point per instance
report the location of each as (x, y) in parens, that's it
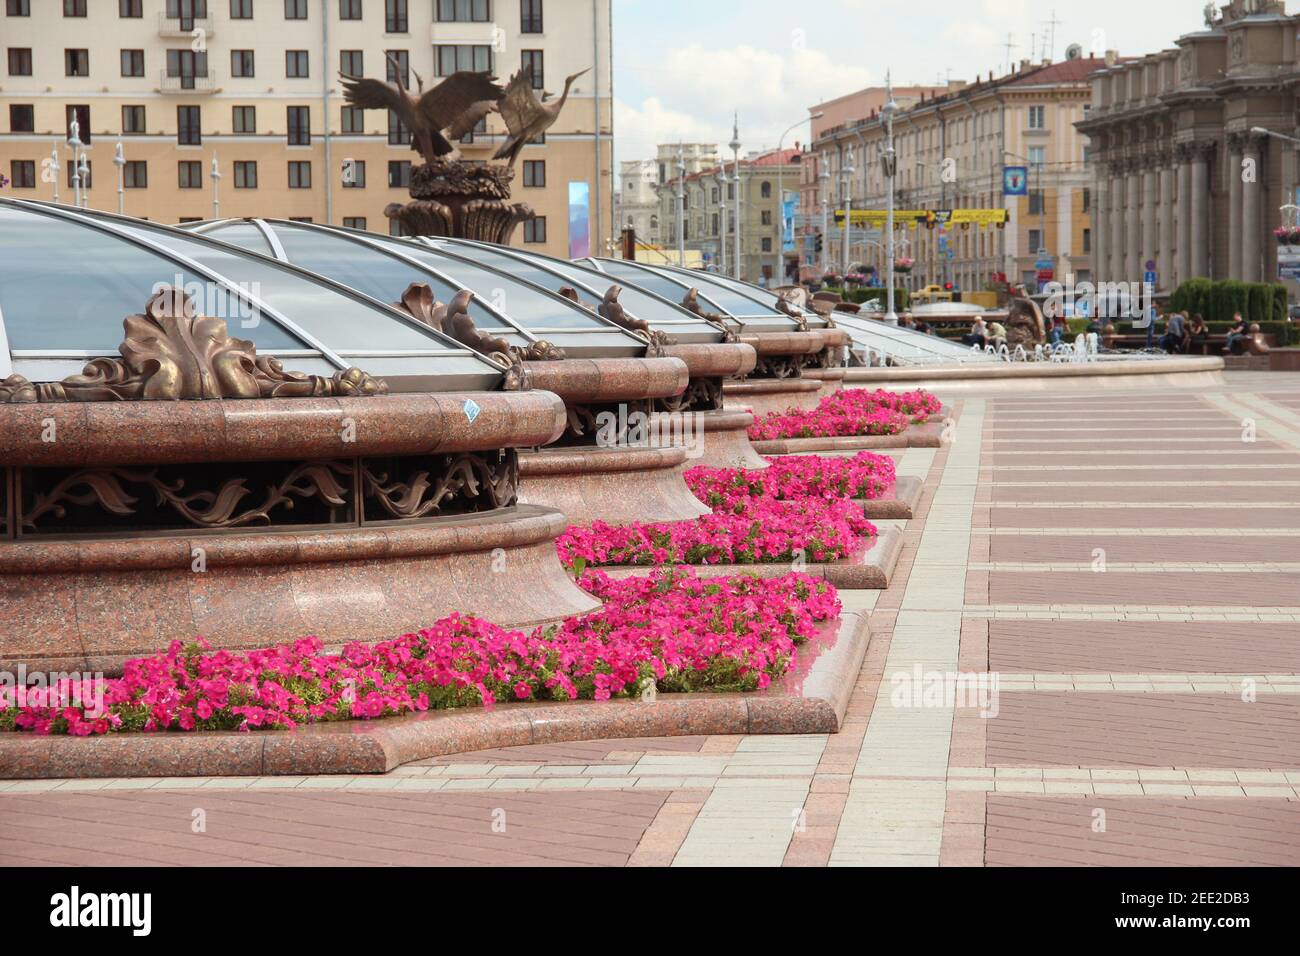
(187, 84)
(185, 26)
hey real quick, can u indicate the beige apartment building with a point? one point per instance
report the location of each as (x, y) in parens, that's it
(255, 85)
(710, 208)
(952, 146)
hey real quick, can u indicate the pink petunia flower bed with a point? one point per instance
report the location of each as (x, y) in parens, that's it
(850, 412)
(671, 630)
(795, 478)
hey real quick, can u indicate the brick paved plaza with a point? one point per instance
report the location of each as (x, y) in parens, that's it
(1124, 562)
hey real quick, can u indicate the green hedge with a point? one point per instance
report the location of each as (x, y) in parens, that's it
(867, 295)
(1217, 301)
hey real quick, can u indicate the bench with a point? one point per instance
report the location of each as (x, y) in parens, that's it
(1212, 346)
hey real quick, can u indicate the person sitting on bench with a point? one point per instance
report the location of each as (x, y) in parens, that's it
(1198, 335)
(1174, 340)
(979, 333)
(1235, 334)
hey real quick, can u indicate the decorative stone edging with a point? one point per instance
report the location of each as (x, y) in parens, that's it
(900, 505)
(615, 485)
(926, 435)
(815, 705)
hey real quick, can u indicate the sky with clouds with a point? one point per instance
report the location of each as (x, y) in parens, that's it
(682, 66)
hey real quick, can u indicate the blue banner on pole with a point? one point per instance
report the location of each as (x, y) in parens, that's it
(1015, 180)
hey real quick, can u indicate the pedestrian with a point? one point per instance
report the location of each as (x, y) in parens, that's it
(1236, 333)
(1174, 340)
(1198, 335)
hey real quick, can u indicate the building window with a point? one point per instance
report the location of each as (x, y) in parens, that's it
(135, 174)
(22, 172)
(1037, 117)
(395, 16)
(132, 119)
(241, 9)
(244, 119)
(714, 231)
(1087, 199)
(1037, 155)
(397, 64)
(535, 229)
(354, 119)
(188, 126)
(295, 9)
(354, 174)
(186, 64)
(241, 63)
(74, 8)
(464, 11)
(534, 62)
(22, 118)
(354, 222)
(767, 244)
(245, 174)
(399, 173)
(82, 115)
(133, 62)
(535, 172)
(1087, 240)
(189, 174)
(766, 217)
(130, 9)
(765, 190)
(18, 8)
(295, 64)
(1035, 240)
(20, 61)
(453, 59)
(398, 134)
(300, 174)
(1035, 202)
(349, 9)
(76, 62)
(352, 62)
(530, 16)
(299, 126)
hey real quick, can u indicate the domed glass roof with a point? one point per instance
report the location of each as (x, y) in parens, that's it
(662, 313)
(68, 277)
(382, 267)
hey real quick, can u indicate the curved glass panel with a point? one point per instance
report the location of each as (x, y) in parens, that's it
(725, 297)
(591, 284)
(907, 346)
(66, 287)
(243, 234)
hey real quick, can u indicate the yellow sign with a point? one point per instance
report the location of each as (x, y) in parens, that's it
(911, 218)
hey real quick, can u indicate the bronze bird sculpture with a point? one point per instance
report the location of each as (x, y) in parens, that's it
(526, 116)
(435, 118)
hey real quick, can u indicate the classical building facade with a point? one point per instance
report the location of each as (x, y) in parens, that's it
(637, 206)
(1182, 178)
(952, 149)
(710, 210)
(255, 84)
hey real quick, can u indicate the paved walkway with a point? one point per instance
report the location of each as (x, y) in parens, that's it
(1121, 568)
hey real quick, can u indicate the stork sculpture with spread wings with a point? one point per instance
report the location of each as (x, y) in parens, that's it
(527, 116)
(450, 195)
(435, 118)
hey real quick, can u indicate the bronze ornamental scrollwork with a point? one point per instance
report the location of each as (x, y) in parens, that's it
(171, 353)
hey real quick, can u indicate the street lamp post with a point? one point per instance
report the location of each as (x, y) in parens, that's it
(55, 168)
(778, 276)
(735, 153)
(681, 206)
(119, 160)
(216, 188)
(721, 180)
(846, 180)
(889, 166)
(824, 178)
(74, 144)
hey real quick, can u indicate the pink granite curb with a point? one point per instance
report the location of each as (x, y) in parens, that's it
(809, 703)
(925, 435)
(901, 504)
